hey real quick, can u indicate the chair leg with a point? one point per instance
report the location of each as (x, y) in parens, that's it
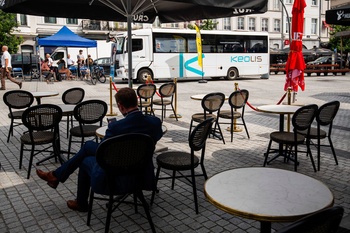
(157, 178)
(173, 180)
(69, 145)
(10, 130)
(333, 151)
(204, 171)
(189, 133)
(194, 190)
(30, 161)
(245, 127)
(296, 158)
(222, 136)
(146, 207)
(231, 129)
(109, 213)
(267, 153)
(91, 200)
(172, 106)
(21, 156)
(309, 152)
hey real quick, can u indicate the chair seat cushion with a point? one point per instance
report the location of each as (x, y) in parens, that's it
(42, 137)
(313, 133)
(159, 102)
(145, 103)
(286, 138)
(89, 131)
(16, 114)
(176, 160)
(199, 117)
(227, 114)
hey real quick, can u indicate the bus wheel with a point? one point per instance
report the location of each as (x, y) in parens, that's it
(232, 74)
(143, 74)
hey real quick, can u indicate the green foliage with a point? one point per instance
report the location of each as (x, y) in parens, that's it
(7, 27)
(207, 24)
(335, 42)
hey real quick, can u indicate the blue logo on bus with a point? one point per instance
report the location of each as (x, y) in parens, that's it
(187, 66)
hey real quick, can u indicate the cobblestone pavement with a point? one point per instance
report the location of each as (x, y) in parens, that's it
(29, 205)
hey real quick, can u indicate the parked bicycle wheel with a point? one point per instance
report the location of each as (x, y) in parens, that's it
(93, 78)
(101, 77)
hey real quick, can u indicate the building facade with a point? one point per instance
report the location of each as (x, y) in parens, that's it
(276, 21)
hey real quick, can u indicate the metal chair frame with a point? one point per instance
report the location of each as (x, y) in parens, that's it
(166, 92)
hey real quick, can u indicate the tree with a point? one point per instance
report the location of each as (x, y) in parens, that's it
(335, 41)
(8, 25)
(207, 24)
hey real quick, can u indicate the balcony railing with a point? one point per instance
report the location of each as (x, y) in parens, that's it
(95, 25)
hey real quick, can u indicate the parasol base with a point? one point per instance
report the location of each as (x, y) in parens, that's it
(177, 116)
(235, 129)
(202, 81)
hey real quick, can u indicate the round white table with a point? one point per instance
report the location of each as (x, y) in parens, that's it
(201, 96)
(40, 94)
(267, 194)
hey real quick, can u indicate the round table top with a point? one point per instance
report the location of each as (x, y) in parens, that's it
(278, 109)
(267, 194)
(37, 94)
(66, 108)
(201, 96)
(101, 132)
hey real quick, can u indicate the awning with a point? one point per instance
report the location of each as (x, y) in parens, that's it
(339, 15)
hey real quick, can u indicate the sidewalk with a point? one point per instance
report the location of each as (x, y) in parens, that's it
(32, 206)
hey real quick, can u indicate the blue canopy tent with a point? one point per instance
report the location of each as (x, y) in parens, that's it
(66, 38)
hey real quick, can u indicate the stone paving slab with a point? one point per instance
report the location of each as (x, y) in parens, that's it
(31, 206)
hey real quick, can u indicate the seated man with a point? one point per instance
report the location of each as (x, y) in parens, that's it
(89, 171)
(47, 71)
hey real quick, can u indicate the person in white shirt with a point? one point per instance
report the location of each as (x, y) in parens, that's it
(6, 68)
(80, 61)
(70, 61)
(50, 60)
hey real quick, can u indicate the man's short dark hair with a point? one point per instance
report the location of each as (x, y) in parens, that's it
(126, 97)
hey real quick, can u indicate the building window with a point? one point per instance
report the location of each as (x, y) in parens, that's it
(72, 21)
(313, 26)
(288, 23)
(314, 3)
(240, 23)
(175, 25)
(276, 25)
(251, 24)
(50, 20)
(23, 20)
(276, 5)
(289, 1)
(227, 23)
(264, 25)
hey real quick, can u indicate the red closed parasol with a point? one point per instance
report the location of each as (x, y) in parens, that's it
(295, 64)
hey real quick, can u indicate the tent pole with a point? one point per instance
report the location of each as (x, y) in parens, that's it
(129, 21)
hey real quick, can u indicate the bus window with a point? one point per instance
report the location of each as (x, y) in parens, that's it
(137, 45)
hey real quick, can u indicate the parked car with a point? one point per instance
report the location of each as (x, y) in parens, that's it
(29, 63)
(105, 63)
(327, 60)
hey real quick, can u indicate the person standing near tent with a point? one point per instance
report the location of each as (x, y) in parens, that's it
(6, 68)
(89, 62)
(80, 61)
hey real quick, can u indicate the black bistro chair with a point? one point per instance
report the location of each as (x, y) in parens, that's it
(324, 118)
(237, 102)
(17, 101)
(145, 92)
(89, 115)
(166, 92)
(211, 105)
(127, 161)
(324, 221)
(301, 120)
(72, 96)
(42, 122)
(178, 161)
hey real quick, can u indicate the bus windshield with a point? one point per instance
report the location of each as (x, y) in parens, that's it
(120, 44)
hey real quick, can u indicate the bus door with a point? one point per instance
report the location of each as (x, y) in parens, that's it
(139, 51)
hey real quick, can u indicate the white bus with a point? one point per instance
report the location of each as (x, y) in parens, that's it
(169, 53)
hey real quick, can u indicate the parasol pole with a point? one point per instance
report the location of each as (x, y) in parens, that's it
(289, 103)
(129, 21)
(175, 97)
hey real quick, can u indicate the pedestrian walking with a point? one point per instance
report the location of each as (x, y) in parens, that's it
(6, 68)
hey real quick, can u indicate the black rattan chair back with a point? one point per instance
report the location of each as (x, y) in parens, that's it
(42, 117)
(167, 90)
(73, 96)
(238, 99)
(17, 99)
(199, 135)
(212, 102)
(327, 112)
(303, 117)
(146, 91)
(324, 221)
(90, 112)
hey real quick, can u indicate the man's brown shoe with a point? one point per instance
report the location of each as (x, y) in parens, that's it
(52, 181)
(73, 205)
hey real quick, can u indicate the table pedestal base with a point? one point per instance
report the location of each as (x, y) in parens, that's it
(265, 227)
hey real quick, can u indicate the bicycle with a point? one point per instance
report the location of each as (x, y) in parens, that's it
(98, 73)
